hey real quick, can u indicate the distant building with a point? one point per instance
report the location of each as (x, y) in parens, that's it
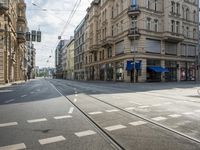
(59, 58)
(79, 46)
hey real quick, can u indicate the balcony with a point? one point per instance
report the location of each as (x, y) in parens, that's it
(171, 36)
(21, 19)
(133, 33)
(107, 42)
(133, 11)
(21, 37)
(3, 6)
(93, 48)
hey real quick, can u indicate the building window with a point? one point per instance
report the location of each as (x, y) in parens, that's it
(194, 16)
(156, 25)
(177, 27)
(133, 22)
(172, 6)
(112, 30)
(148, 23)
(187, 31)
(156, 4)
(194, 33)
(148, 4)
(187, 14)
(177, 8)
(172, 26)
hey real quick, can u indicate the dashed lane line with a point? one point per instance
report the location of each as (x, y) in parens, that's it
(188, 113)
(175, 115)
(85, 133)
(115, 127)
(159, 118)
(95, 113)
(71, 110)
(143, 107)
(138, 123)
(14, 147)
(129, 108)
(37, 120)
(156, 105)
(8, 124)
(9, 101)
(62, 117)
(112, 110)
(23, 96)
(51, 140)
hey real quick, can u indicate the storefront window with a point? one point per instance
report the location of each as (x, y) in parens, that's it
(119, 71)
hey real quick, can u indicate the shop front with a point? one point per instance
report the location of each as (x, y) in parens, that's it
(187, 71)
(172, 74)
(119, 71)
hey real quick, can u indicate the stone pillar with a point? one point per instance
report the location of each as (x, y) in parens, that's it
(143, 76)
(163, 74)
(127, 45)
(126, 77)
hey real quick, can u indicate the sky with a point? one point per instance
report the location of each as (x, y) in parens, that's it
(50, 17)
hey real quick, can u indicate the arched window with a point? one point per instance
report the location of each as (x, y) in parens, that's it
(194, 16)
(187, 14)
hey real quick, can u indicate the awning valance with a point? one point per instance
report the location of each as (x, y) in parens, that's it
(157, 69)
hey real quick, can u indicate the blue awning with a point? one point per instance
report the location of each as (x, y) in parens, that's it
(129, 66)
(157, 69)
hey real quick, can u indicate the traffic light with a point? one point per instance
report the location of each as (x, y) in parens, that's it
(33, 34)
(28, 36)
(38, 36)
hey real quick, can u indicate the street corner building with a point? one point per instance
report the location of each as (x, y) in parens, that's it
(138, 41)
(13, 46)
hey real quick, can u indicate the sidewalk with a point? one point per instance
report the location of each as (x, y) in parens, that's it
(12, 83)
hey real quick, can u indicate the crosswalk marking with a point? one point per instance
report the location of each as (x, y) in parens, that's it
(8, 124)
(115, 127)
(14, 147)
(37, 120)
(85, 133)
(51, 140)
(137, 123)
(159, 118)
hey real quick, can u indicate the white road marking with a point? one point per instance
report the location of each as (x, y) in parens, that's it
(159, 118)
(197, 110)
(167, 103)
(37, 120)
(8, 124)
(129, 108)
(175, 116)
(112, 110)
(134, 103)
(156, 105)
(38, 90)
(188, 113)
(62, 117)
(95, 113)
(32, 92)
(75, 100)
(137, 123)
(51, 140)
(76, 95)
(116, 127)
(23, 95)
(71, 110)
(14, 147)
(84, 133)
(143, 106)
(9, 101)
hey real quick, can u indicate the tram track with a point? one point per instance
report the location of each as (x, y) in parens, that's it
(127, 112)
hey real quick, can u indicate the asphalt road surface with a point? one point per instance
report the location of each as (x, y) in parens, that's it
(52, 114)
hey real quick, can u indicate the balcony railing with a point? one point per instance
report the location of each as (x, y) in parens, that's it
(133, 33)
(134, 10)
(172, 36)
(21, 37)
(3, 6)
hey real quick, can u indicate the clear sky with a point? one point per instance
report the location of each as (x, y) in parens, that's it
(50, 16)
